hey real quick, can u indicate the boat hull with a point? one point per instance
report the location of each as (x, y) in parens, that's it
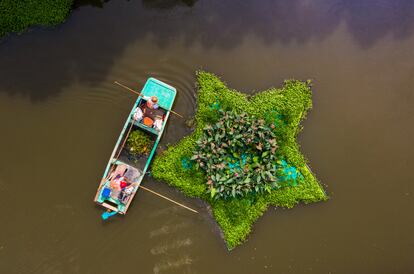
(166, 95)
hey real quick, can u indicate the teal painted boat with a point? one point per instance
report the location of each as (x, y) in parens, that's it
(124, 174)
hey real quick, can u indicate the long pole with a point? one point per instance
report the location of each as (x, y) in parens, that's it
(125, 139)
(125, 87)
(136, 92)
(162, 196)
(120, 150)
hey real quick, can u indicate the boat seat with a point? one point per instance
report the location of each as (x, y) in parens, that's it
(146, 128)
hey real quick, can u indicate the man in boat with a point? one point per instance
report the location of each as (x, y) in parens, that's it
(152, 103)
(150, 113)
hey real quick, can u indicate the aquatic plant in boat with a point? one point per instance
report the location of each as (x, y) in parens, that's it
(139, 143)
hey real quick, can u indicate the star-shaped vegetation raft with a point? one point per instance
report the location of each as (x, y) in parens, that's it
(243, 155)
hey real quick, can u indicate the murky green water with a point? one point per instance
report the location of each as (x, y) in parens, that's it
(60, 116)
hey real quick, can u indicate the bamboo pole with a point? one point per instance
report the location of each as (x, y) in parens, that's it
(125, 87)
(126, 137)
(162, 196)
(120, 150)
(179, 115)
(136, 92)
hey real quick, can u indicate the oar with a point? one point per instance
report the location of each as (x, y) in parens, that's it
(106, 215)
(126, 137)
(120, 150)
(125, 87)
(162, 196)
(136, 92)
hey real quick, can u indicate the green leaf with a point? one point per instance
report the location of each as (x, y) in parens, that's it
(213, 192)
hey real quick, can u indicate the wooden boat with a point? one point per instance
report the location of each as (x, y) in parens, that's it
(113, 198)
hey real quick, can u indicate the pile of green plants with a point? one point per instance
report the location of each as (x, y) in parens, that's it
(139, 143)
(282, 110)
(238, 155)
(17, 15)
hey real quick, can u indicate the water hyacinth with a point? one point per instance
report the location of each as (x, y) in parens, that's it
(139, 143)
(282, 109)
(288, 174)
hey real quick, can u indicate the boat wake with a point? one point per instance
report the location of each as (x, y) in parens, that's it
(171, 252)
(167, 229)
(162, 249)
(172, 264)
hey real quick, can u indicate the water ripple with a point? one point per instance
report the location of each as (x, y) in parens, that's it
(164, 248)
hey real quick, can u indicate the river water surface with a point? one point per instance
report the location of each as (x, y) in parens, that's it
(60, 115)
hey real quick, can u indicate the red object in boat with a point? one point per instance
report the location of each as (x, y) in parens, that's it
(148, 121)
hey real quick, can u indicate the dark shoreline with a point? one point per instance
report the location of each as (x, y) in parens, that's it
(18, 17)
